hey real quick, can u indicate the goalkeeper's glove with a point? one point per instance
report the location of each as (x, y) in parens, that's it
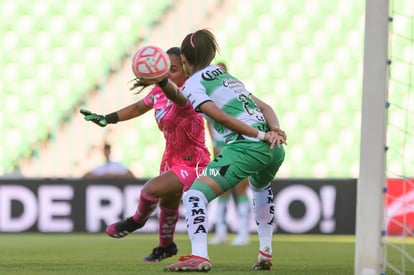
(100, 120)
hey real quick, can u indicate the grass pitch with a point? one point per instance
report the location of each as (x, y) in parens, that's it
(98, 254)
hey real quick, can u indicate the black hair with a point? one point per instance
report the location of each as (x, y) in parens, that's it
(174, 51)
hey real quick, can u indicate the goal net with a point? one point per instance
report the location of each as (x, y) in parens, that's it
(385, 192)
(399, 196)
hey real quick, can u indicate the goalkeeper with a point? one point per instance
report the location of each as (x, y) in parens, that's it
(185, 152)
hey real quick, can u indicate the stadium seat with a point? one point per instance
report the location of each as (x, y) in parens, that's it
(304, 59)
(45, 44)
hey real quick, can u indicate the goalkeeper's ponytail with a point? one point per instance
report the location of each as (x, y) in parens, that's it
(137, 83)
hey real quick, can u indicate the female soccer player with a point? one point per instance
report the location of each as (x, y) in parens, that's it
(239, 195)
(185, 151)
(251, 130)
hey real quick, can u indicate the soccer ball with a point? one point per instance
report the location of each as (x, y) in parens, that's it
(151, 64)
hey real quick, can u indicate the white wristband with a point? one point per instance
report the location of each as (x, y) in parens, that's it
(261, 135)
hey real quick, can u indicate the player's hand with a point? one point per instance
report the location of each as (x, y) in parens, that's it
(95, 118)
(277, 137)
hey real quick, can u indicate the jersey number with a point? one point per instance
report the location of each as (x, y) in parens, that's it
(246, 101)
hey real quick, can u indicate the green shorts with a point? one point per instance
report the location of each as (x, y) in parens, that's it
(241, 159)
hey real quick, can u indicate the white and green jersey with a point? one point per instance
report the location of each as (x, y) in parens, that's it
(229, 94)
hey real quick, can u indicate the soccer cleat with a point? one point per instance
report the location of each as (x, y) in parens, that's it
(264, 262)
(160, 253)
(190, 263)
(123, 228)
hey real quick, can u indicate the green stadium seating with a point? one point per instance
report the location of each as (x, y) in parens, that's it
(53, 52)
(304, 59)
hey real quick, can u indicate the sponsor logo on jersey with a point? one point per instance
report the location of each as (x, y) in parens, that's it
(211, 75)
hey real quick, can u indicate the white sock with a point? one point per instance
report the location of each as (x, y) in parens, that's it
(195, 204)
(221, 227)
(264, 209)
(243, 209)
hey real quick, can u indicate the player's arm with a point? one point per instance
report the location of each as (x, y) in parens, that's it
(268, 113)
(134, 110)
(270, 117)
(172, 92)
(125, 113)
(211, 110)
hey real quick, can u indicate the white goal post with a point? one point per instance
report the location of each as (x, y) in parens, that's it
(372, 179)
